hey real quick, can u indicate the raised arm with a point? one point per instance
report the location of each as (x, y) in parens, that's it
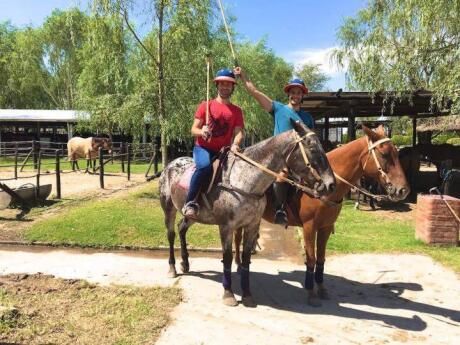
(265, 101)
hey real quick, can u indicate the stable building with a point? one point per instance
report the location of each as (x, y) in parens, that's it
(42, 125)
(347, 107)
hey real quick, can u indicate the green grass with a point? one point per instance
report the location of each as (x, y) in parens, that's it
(136, 220)
(47, 163)
(363, 232)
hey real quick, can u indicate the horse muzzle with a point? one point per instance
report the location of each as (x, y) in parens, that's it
(324, 188)
(397, 194)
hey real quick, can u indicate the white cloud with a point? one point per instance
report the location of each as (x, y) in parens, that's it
(321, 57)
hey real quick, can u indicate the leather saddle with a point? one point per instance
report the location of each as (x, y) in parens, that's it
(214, 178)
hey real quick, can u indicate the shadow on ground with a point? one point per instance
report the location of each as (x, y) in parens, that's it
(285, 292)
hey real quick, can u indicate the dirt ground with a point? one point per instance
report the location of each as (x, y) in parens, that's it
(42, 309)
(75, 186)
(375, 299)
(75, 183)
(400, 211)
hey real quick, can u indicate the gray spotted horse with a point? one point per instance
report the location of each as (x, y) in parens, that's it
(239, 201)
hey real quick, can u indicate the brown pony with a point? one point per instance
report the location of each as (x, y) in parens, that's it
(373, 156)
(88, 148)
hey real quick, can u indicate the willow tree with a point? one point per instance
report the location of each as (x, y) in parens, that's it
(104, 82)
(62, 37)
(312, 75)
(8, 97)
(269, 73)
(404, 45)
(177, 36)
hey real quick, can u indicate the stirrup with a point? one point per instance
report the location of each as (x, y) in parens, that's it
(281, 218)
(191, 210)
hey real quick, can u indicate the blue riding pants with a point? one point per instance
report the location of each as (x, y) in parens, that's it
(203, 158)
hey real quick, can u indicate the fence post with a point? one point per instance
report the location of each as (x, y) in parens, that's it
(128, 151)
(155, 158)
(37, 184)
(122, 158)
(16, 162)
(34, 154)
(101, 167)
(58, 175)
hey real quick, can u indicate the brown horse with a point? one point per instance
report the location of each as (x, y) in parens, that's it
(373, 156)
(88, 148)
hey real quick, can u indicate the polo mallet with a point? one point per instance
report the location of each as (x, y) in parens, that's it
(208, 64)
(228, 34)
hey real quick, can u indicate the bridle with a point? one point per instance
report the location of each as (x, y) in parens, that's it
(371, 147)
(297, 141)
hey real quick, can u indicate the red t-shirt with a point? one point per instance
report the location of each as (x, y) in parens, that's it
(223, 118)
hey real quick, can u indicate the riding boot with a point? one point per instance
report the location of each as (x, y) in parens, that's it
(191, 210)
(280, 190)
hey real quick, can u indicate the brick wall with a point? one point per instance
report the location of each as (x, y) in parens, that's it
(434, 223)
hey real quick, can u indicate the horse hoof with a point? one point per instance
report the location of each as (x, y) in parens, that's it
(248, 302)
(323, 294)
(229, 299)
(172, 272)
(184, 267)
(314, 301)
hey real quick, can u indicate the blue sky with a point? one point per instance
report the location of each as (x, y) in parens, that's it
(297, 30)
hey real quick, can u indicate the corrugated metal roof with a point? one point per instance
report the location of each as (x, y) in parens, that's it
(23, 115)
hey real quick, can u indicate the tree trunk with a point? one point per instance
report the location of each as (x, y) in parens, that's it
(161, 106)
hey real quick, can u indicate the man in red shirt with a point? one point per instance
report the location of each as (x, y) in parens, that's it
(225, 122)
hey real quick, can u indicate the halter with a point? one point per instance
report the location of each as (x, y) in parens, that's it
(297, 141)
(370, 152)
(299, 186)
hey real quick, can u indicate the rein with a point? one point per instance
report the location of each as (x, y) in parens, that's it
(371, 152)
(302, 187)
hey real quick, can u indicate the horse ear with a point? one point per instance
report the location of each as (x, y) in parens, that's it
(380, 130)
(370, 133)
(298, 126)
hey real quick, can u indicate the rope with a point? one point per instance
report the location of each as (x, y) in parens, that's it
(276, 175)
(361, 190)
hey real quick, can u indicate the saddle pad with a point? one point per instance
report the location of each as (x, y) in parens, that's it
(186, 177)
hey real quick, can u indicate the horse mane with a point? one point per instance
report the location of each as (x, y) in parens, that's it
(260, 149)
(341, 150)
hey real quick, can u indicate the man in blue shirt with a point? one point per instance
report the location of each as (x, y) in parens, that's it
(282, 114)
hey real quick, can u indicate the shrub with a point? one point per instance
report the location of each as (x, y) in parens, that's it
(399, 139)
(454, 141)
(442, 138)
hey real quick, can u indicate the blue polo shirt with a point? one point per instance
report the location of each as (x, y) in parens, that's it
(282, 114)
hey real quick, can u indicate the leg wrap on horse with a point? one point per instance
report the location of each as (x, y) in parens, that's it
(245, 278)
(227, 279)
(309, 278)
(319, 272)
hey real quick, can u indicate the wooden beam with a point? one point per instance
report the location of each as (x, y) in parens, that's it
(351, 127)
(326, 129)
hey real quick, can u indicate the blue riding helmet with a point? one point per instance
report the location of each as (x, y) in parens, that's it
(225, 75)
(296, 83)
